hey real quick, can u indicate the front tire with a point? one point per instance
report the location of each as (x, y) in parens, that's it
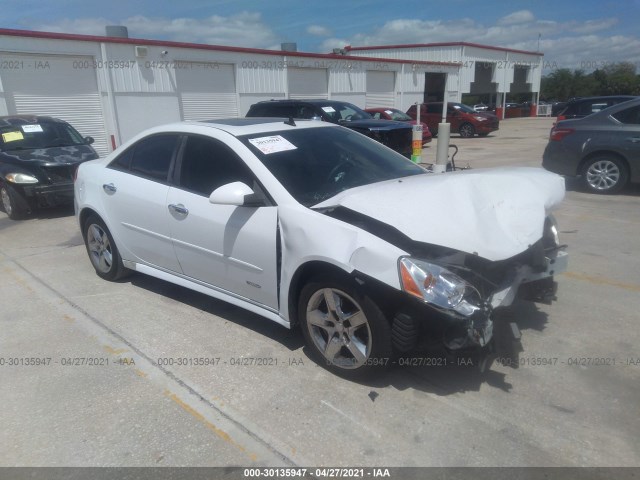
(102, 250)
(466, 130)
(604, 174)
(11, 203)
(344, 329)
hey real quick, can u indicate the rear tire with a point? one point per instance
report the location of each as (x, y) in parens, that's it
(466, 130)
(345, 330)
(605, 174)
(11, 203)
(102, 250)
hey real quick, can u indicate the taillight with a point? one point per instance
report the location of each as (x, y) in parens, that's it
(560, 117)
(558, 134)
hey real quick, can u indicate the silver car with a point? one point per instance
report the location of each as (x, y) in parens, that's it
(603, 149)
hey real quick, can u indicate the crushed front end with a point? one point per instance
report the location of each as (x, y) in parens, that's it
(456, 296)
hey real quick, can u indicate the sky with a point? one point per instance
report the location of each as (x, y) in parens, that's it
(575, 34)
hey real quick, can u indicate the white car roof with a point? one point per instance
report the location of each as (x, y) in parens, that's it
(239, 126)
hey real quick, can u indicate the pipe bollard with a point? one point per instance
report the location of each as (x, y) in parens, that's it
(442, 154)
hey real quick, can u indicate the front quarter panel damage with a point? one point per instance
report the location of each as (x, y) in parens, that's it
(309, 236)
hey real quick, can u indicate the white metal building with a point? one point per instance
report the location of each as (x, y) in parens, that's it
(483, 69)
(111, 88)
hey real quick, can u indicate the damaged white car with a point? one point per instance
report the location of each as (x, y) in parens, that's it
(314, 224)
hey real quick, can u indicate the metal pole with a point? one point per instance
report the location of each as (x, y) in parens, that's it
(444, 131)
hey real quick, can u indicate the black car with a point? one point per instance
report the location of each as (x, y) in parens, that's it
(395, 135)
(38, 158)
(603, 148)
(581, 107)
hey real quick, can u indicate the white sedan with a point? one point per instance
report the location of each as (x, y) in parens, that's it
(313, 224)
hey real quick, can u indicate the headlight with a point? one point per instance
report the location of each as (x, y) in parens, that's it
(551, 237)
(480, 119)
(435, 284)
(20, 178)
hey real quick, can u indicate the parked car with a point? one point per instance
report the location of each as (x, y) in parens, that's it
(395, 135)
(581, 107)
(602, 148)
(38, 158)
(399, 116)
(313, 224)
(463, 119)
(557, 107)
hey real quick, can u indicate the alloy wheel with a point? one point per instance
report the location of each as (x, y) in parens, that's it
(603, 175)
(99, 248)
(339, 328)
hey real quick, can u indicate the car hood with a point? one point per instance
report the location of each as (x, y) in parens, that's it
(490, 116)
(53, 155)
(374, 125)
(492, 213)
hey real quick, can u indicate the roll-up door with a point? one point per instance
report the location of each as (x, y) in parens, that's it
(308, 83)
(207, 90)
(60, 86)
(380, 89)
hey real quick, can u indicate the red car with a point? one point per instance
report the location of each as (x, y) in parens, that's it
(399, 116)
(464, 120)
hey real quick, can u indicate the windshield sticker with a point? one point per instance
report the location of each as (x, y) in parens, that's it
(273, 144)
(329, 109)
(388, 112)
(12, 136)
(31, 128)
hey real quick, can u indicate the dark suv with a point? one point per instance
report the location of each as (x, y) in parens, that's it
(395, 135)
(581, 107)
(38, 158)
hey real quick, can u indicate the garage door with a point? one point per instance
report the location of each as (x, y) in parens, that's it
(207, 90)
(59, 86)
(308, 83)
(381, 88)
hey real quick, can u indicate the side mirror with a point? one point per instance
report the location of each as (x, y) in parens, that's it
(88, 140)
(236, 193)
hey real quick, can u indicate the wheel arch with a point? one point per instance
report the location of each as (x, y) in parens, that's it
(82, 218)
(299, 279)
(598, 153)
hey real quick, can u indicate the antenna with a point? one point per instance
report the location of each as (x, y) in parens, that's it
(290, 122)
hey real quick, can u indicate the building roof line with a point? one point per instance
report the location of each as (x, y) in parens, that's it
(442, 44)
(202, 46)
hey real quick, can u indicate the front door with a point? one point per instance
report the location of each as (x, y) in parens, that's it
(232, 248)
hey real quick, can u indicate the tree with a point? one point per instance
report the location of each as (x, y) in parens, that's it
(615, 79)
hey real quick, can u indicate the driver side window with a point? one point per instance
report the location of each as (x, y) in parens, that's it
(208, 164)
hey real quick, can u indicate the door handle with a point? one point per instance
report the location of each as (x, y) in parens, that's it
(109, 188)
(179, 208)
(633, 139)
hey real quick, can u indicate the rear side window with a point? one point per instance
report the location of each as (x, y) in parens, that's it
(150, 157)
(630, 116)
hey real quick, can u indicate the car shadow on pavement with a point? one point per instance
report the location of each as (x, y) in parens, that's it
(425, 370)
(291, 339)
(574, 184)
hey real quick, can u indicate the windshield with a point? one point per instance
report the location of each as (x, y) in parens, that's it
(463, 107)
(344, 112)
(398, 115)
(38, 135)
(315, 164)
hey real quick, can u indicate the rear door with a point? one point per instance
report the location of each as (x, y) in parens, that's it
(135, 199)
(627, 137)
